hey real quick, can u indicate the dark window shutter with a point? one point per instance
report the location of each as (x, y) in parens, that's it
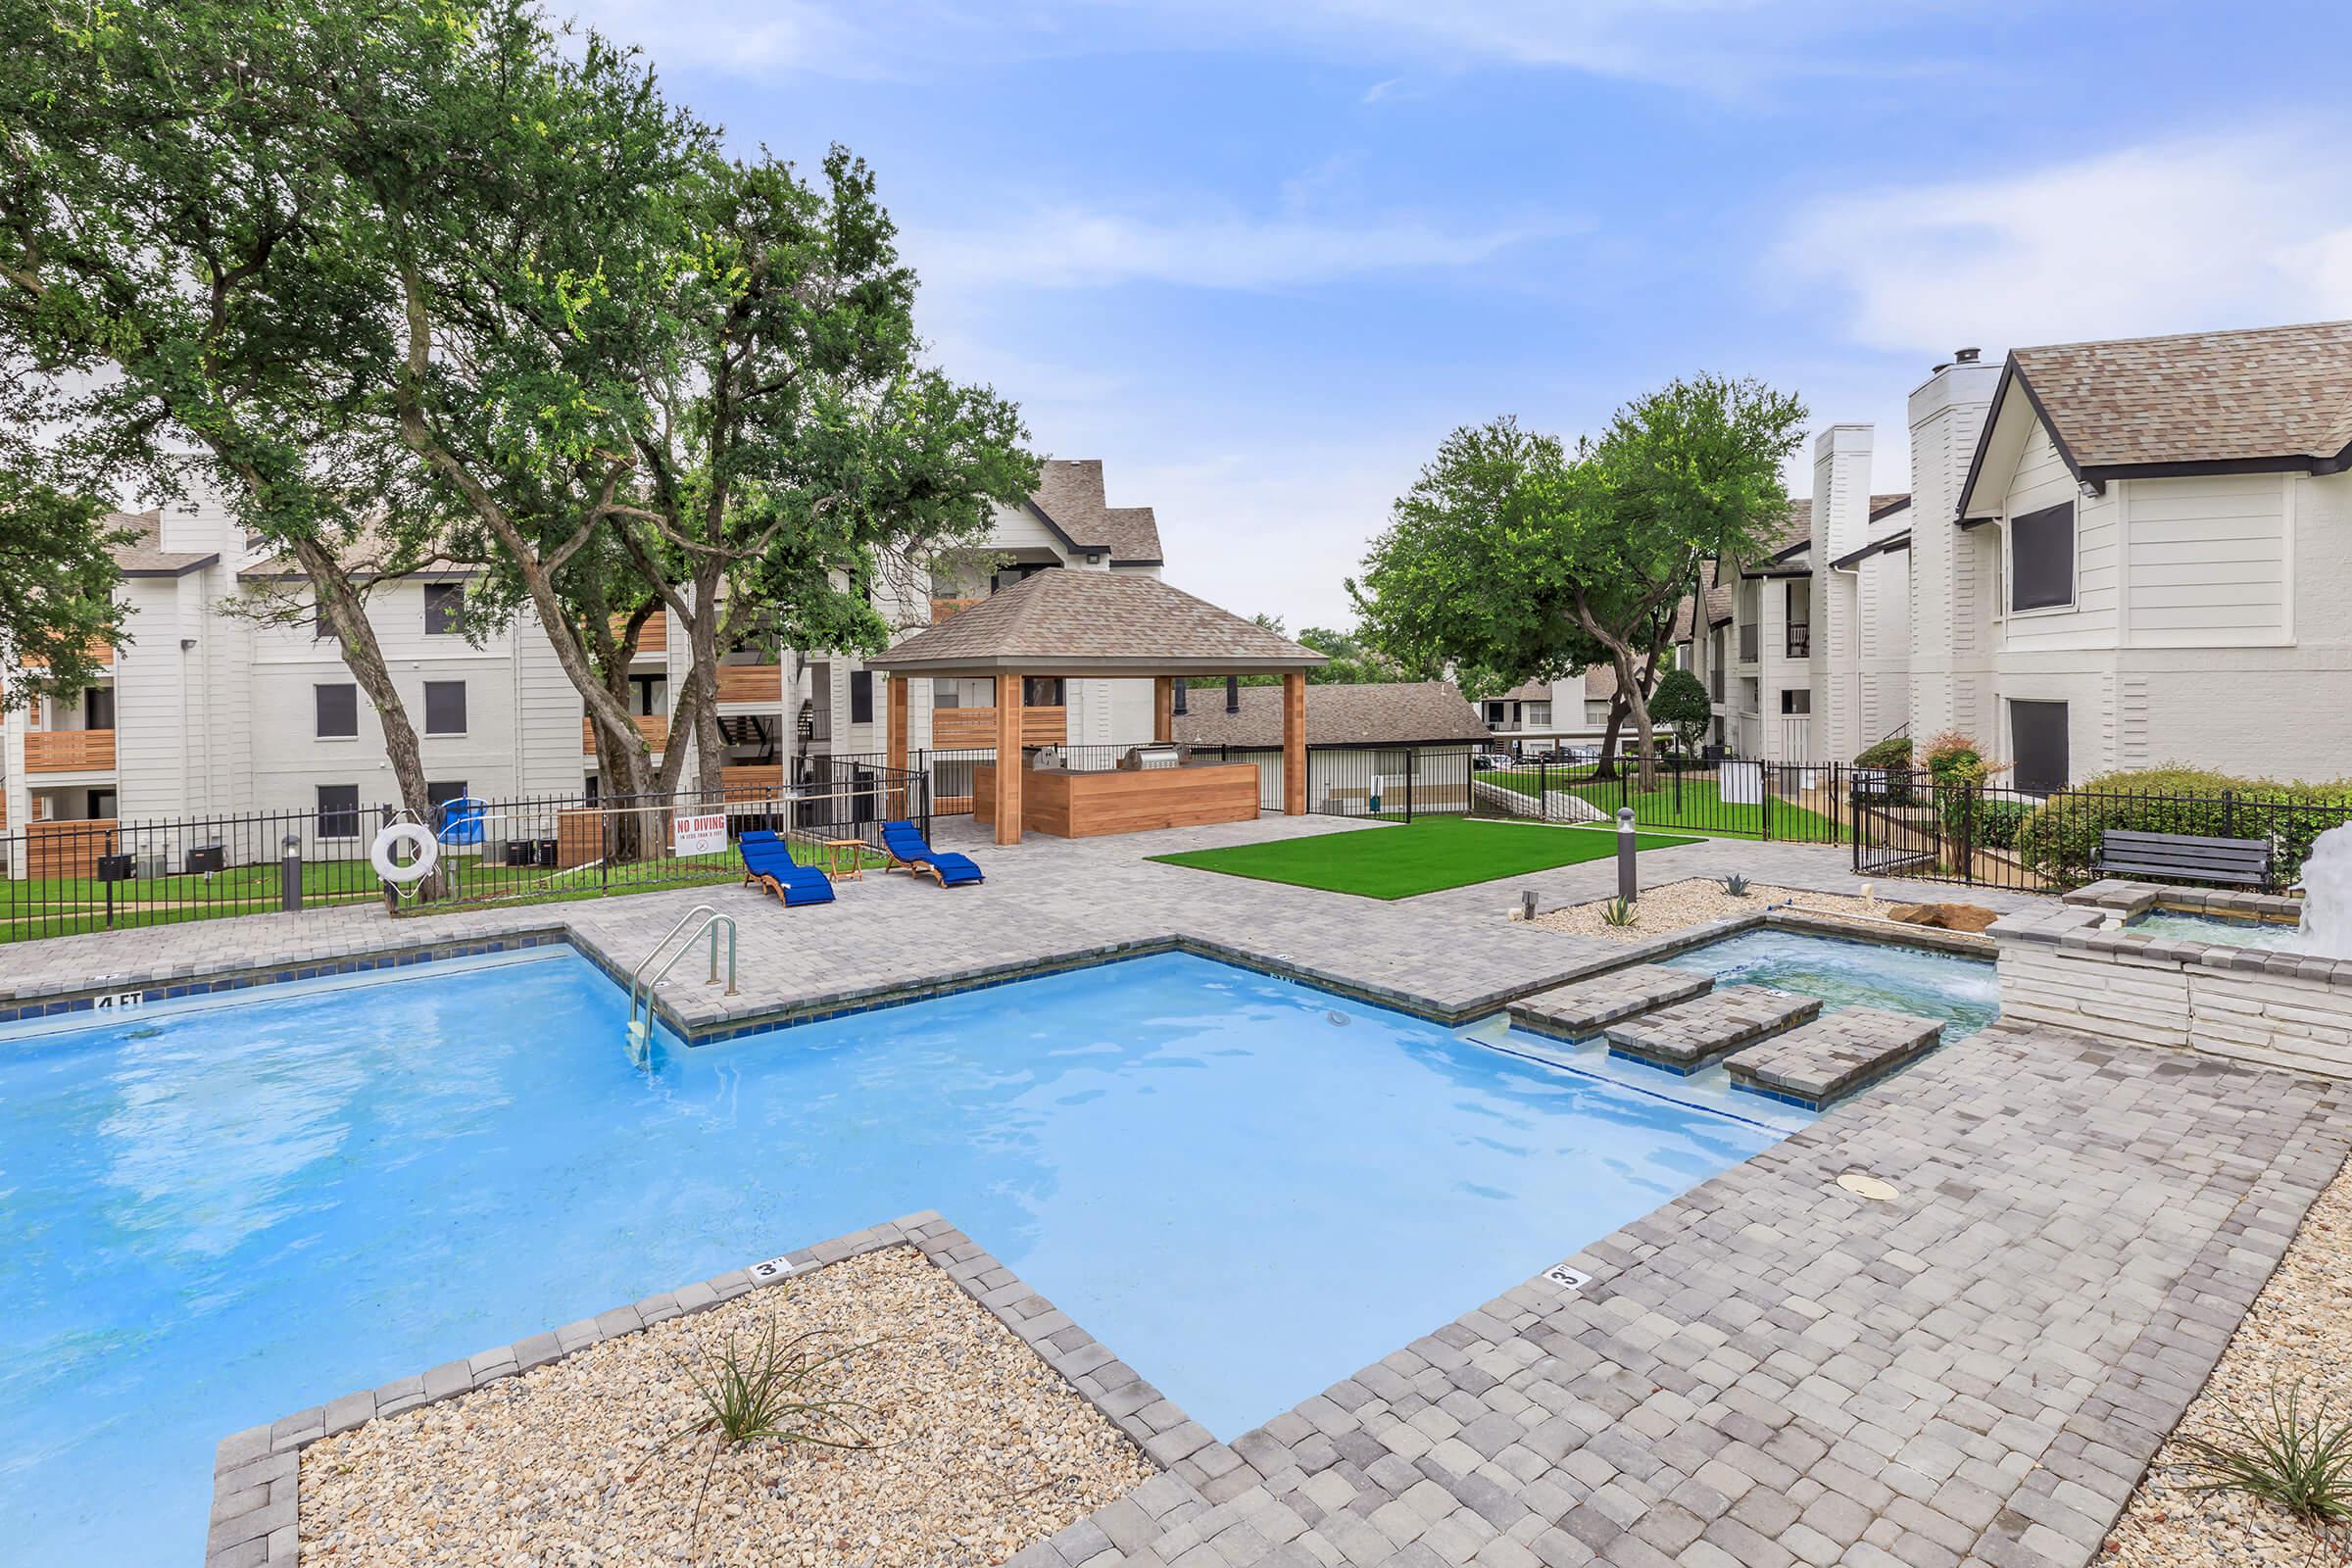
(862, 697)
(2037, 734)
(445, 708)
(338, 711)
(2042, 558)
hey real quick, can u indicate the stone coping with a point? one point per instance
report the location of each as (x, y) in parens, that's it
(2082, 927)
(255, 1473)
(2128, 898)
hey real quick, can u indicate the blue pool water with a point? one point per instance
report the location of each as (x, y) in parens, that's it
(2177, 924)
(1962, 992)
(1246, 1188)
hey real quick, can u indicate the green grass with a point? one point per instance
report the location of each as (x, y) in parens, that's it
(1701, 807)
(1429, 856)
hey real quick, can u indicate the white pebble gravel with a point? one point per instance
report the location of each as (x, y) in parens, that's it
(2299, 1331)
(1675, 906)
(980, 1449)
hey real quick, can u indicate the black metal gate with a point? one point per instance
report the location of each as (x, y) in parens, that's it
(1896, 829)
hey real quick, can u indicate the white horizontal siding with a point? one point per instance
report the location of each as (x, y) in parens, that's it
(2209, 559)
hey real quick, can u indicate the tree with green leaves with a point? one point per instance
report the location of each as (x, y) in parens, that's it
(57, 566)
(184, 267)
(1680, 702)
(1514, 558)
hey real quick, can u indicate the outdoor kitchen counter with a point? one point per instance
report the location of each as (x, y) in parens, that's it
(1077, 806)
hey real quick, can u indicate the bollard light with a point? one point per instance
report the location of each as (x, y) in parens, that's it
(1628, 887)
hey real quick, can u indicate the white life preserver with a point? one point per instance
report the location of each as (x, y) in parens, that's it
(428, 851)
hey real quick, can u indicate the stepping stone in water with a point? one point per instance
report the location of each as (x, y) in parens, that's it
(1688, 1035)
(1835, 1057)
(1581, 1010)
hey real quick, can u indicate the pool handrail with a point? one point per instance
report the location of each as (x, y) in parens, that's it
(711, 920)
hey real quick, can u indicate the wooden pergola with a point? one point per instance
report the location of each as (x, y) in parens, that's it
(1073, 624)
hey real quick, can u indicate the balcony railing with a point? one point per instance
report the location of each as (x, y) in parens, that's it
(942, 608)
(752, 776)
(954, 729)
(1800, 642)
(654, 639)
(100, 653)
(70, 751)
(750, 683)
(1750, 643)
(655, 727)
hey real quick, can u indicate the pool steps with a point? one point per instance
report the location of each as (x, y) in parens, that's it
(1771, 1043)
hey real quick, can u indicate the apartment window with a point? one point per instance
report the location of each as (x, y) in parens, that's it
(338, 709)
(1537, 714)
(649, 695)
(1041, 691)
(2038, 740)
(444, 609)
(862, 697)
(338, 811)
(1493, 712)
(440, 795)
(2042, 558)
(445, 708)
(1797, 702)
(322, 627)
(98, 707)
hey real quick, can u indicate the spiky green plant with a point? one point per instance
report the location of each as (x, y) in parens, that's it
(765, 1391)
(1736, 885)
(1619, 912)
(2299, 1459)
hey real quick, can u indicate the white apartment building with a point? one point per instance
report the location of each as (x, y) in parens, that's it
(202, 712)
(2116, 555)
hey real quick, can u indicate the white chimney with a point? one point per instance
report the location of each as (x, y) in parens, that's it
(1948, 662)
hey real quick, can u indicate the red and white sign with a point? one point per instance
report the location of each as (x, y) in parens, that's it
(699, 833)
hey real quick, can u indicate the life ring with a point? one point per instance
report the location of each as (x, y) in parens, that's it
(414, 834)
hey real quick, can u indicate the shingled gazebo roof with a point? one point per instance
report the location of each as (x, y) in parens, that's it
(1068, 622)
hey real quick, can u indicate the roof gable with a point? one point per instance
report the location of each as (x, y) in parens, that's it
(1070, 623)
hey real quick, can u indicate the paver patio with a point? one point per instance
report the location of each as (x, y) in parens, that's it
(1769, 1370)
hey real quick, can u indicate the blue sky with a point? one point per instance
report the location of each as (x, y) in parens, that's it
(1260, 258)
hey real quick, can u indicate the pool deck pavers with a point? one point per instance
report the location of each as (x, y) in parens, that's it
(1689, 1035)
(1768, 1370)
(1834, 1054)
(1579, 1010)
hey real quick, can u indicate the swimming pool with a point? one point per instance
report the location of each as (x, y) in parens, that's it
(2180, 925)
(1964, 993)
(1246, 1188)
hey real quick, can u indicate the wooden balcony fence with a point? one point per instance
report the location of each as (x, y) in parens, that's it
(654, 639)
(70, 751)
(750, 683)
(655, 727)
(943, 608)
(103, 653)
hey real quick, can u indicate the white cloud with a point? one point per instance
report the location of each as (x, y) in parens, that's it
(2173, 236)
(1069, 247)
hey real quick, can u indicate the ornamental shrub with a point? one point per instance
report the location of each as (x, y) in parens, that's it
(2060, 839)
(1893, 754)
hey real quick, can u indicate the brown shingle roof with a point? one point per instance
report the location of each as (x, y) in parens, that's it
(144, 555)
(1071, 622)
(2278, 392)
(1070, 491)
(1527, 691)
(1397, 712)
(1600, 684)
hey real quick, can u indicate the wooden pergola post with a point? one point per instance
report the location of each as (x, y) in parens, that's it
(895, 746)
(1009, 696)
(1293, 743)
(1163, 710)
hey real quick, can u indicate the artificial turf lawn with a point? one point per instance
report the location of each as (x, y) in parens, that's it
(1424, 857)
(1701, 808)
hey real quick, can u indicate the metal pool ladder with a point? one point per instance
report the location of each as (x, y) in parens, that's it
(641, 1019)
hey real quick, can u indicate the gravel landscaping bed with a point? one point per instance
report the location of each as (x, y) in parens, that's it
(980, 1448)
(2299, 1330)
(1678, 905)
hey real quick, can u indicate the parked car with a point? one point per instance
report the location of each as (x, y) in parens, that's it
(1488, 761)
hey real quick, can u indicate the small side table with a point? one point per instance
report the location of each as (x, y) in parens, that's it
(854, 852)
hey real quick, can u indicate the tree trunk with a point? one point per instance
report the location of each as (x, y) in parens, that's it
(364, 657)
(1629, 684)
(1608, 738)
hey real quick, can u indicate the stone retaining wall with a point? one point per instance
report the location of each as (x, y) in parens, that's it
(2068, 969)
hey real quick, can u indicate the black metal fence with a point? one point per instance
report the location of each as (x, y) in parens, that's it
(59, 878)
(1795, 802)
(1908, 824)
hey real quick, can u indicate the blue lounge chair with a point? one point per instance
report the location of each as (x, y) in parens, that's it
(908, 853)
(767, 863)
